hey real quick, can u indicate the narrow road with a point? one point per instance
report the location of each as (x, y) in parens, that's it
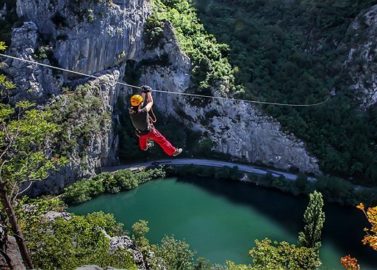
(205, 162)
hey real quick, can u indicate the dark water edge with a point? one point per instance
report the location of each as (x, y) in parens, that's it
(343, 227)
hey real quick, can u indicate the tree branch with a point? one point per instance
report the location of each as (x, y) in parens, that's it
(10, 143)
(21, 192)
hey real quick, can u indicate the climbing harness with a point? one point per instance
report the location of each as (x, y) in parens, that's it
(170, 92)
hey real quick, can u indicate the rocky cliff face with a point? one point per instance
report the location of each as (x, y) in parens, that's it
(361, 62)
(84, 36)
(238, 129)
(93, 37)
(98, 37)
(92, 142)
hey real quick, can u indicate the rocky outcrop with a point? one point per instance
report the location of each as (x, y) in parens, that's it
(90, 129)
(33, 82)
(125, 242)
(92, 267)
(93, 37)
(362, 54)
(84, 36)
(238, 129)
(89, 36)
(14, 255)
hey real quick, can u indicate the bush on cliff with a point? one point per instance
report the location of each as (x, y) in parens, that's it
(210, 66)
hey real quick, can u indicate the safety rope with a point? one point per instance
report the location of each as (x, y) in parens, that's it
(152, 116)
(169, 92)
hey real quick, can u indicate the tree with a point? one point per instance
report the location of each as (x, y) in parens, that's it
(349, 263)
(26, 154)
(282, 255)
(314, 218)
(139, 230)
(176, 254)
(371, 237)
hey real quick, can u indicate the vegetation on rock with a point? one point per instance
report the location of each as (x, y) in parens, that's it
(291, 54)
(81, 115)
(211, 70)
(27, 140)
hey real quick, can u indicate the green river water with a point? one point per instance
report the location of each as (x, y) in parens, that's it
(221, 219)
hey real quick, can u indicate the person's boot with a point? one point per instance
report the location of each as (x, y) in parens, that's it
(150, 144)
(177, 152)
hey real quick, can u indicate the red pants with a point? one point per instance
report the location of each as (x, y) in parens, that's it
(156, 136)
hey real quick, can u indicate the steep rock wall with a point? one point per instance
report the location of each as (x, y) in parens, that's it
(89, 36)
(362, 55)
(85, 36)
(237, 128)
(89, 127)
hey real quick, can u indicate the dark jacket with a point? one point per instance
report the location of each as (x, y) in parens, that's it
(140, 120)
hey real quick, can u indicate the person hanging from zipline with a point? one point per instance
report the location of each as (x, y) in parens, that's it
(142, 121)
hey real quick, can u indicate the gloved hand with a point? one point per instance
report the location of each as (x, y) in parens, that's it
(146, 89)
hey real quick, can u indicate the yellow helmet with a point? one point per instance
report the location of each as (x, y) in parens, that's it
(136, 100)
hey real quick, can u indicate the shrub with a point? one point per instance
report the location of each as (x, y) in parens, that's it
(114, 182)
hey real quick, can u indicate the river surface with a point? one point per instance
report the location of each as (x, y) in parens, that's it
(221, 219)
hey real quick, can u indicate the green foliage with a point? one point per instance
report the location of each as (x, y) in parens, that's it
(87, 189)
(43, 52)
(282, 255)
(5, 83)
(210, 67)
(232, 266)
(176, 254)
(153, 32)
(291, 54)
(27, 136)
(139, 230)
(314, 218)
(69, 242)
(81, 115)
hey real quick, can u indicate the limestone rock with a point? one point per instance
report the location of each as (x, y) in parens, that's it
(13, 254)
(89, 36)
(125, 242)
(52, 215)
(238, 129)
(34, 83)
(93, 37)
(89, 267)
(101, 148)
(362, 55)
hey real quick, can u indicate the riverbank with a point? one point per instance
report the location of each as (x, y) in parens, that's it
(334, 189)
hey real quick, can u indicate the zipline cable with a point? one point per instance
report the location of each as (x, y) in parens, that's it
(168, 92)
